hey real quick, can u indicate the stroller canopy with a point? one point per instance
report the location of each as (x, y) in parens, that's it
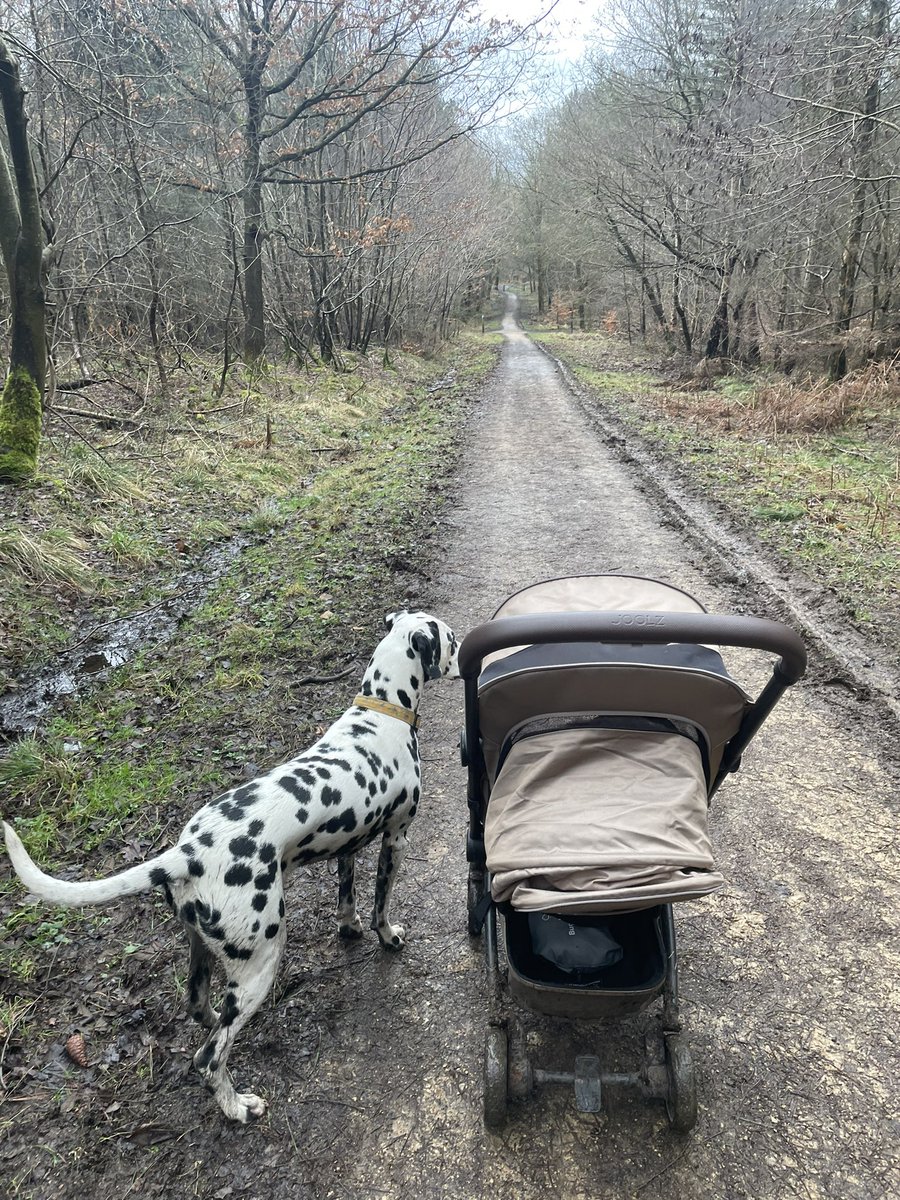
(599, 757)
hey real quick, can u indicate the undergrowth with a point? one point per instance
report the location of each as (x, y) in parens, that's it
(335, 513)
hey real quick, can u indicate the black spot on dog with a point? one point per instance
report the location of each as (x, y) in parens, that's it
(295, 789)
(360, 730)
(366, 688)
(323, 772)
(194, 827)
(376, 674)
(330, 796)
(159, 876)
(237, 875)
(266, 852)
(281, 907)
(188, 913)
(265, 879)
(205, 839)
(196, 868)
(305, 841)
(242, 847)
(233, 812)
(369, 817)
(413, 681)
(410, 653)
(302, 816)
(230, 1009)
(381, 693)
(254, 928)
(304, 856)
(204, 1057)
(246, 795)
(404, 698)
(255, 828)
(359, 779)
(272, 930)
(340, 763)
(346, 821)
(259, 901)
(373, 788)
(232, 951)
(382, 784)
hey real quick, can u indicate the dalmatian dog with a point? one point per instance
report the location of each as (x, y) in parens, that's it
(225, 876)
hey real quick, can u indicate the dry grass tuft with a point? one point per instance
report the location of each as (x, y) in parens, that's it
(54, 558)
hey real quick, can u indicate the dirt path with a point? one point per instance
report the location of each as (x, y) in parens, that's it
(372, 1063)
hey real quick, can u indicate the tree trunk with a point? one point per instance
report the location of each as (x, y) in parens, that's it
(21, 238)
(850, 258)
(254, 298)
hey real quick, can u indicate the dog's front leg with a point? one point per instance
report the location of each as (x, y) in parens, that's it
(349, 924)
(392, 937)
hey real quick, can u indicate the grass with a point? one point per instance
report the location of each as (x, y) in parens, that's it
(341, 501)
(54, 557)
(813, 469)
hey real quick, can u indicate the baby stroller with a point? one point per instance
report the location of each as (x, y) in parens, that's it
(599, 724)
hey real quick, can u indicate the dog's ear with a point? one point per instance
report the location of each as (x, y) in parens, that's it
(391, 617)
(425, 648)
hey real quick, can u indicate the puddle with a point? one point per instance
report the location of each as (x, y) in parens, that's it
(104, 647)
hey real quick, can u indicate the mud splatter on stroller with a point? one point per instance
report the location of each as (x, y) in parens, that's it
(599, 724)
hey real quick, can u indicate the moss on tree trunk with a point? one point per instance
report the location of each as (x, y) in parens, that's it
(20, 427)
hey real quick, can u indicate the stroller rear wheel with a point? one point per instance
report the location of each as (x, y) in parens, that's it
(681, 1098)
(496, 1086)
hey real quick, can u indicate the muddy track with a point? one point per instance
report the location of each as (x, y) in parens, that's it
(372, 1062)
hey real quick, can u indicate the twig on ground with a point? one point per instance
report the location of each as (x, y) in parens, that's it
(130, 616)
(326, 678)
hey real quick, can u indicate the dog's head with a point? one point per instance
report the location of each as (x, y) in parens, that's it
(428, 639)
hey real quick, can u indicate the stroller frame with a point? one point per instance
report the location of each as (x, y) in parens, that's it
(667, 1073)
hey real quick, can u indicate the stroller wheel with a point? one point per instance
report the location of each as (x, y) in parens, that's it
(681, 1099)
(496, 1091)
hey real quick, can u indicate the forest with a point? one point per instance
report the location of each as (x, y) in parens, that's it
(264, 178)
(724, 178)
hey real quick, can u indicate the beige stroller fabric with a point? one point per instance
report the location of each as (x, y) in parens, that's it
(599, 820)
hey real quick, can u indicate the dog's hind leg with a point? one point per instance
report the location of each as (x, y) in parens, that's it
(392, 937)
(199, 973)
(249, 982)
(349, 924)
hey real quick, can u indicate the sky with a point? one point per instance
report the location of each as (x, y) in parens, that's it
(568, 24)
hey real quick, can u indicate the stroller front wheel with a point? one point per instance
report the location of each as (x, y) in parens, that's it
(496, 1086)
(681, 1097)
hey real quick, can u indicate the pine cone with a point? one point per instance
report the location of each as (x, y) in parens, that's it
(76, 1048)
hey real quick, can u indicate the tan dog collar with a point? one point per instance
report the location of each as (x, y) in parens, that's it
(389, 710)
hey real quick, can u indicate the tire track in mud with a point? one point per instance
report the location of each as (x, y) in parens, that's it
(788, 976)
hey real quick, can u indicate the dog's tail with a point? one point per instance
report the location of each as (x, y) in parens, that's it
(168, 866)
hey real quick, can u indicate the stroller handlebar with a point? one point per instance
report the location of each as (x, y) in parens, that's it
(659, 628)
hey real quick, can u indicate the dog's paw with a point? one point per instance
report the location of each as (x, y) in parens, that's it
(350, 930)
(392, 937)
(245, 1107)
